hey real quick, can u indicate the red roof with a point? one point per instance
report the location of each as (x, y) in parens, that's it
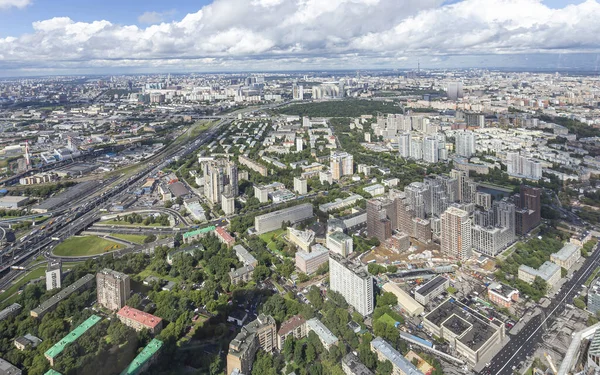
(291, 324)
(224, 235)
(144, 318)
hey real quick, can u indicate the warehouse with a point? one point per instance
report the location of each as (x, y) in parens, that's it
(13, 202)
(405, 301)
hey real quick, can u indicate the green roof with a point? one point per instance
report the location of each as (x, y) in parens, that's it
(199, 231)
(147, 353)
(52, 372)
(72, 336)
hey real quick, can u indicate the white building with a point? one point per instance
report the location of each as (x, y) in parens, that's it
(465, 143)
(353, 282)
(340, 243)
(300, 185)
(54, 275)
(455, 237)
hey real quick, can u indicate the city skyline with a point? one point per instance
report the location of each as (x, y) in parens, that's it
(275, 35)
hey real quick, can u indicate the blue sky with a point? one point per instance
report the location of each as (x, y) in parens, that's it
(71, 36)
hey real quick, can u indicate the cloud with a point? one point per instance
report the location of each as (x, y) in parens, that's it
(5, 4)
(290, 34)
(151, 18)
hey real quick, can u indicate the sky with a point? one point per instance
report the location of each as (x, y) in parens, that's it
(39, 37)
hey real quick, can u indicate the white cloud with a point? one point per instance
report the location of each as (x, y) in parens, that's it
(285, 33)
(151, 18)
(5, 4)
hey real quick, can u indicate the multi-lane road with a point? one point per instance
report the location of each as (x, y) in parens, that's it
(523, 344)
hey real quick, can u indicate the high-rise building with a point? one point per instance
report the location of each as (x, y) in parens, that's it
(299, 144)
(228, 203)
(455, 236)
(54, 275)
(520, 166)
(430, 149)
(418, 198)
(298, 92)
(219, 176)
(341, 164)
(258, 334)
(416, 148)
(112, 289)
(528, 215)
(404, 142)
(300, 185)
(455, 90)
(462, 177)
(381, 218)
(465, 143)
(353, 282)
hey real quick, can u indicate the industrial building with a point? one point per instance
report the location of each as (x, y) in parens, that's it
(13, 202)
(433, 288)
(408, 304)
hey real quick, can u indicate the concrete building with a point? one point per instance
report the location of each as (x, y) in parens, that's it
(303, 239)
(7, 368)
(341, 164)
(189, 237)
(143, 360)
(54, 275)
(10, 311)
(52, 353)
(455, 238)
(381, 218)
(567, 256)
(261, 169)
(351, 365)
(50, 304)
(522, 167)
(433, 288)
(273, 220)
(386, 352)
(408, 304)
(593, 297)
(13, 202)
(353, 282)
(228, 203)
(139, 320)
(258, 334)
(549, 272)
(300, 185)
(339, 243)
(327, 338)
(309, 262)
(112, 289)
(220, 176)
(502, 295)
(471, 334)
(244, 256)
(295, 327)
(491, 240)
(529, 209)
(243, 273)
(465, 144)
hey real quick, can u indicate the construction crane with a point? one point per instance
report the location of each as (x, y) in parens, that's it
(549, 359)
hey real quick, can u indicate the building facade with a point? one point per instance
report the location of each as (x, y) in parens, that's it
(353, 282)
(112, 289)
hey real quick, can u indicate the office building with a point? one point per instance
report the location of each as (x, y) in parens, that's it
(465, 144)
(386, 352)
(339, 243)
(295, 327)
(341, 164)
(567, 256)
(112, 289)
(353, 282)
(549, 272)
(309, 262)
(258, 334)
(139, 320)
(472, 335)
(351, 365)
(50, 304)
(273, 220)
(381, 218)
(455, 238)
(433, 288)
(327, 338)
(54, 274)
(220, 176)
(300, 185)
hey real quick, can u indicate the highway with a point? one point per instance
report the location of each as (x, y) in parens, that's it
(523, 344)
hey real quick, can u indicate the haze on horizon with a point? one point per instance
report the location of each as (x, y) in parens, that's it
(43, 37)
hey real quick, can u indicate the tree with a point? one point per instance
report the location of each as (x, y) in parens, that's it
(387, 299)
(261, 272)
(315, 297)
(168, 204)
(150, 238)
(288, 348)
(385, 367)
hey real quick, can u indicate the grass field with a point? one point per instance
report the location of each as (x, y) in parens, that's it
(86, 245)
(268, 238)
(137, 238)
(387, 319)
(34, 274)
(148, 272)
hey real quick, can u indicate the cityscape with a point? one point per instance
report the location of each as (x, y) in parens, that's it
(225, 206)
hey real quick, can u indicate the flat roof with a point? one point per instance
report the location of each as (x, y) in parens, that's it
(72, 336)
(8, 311)
(141, 317)
(404, 299)
(64, 293)
(13, 199)
(199, 231)
(355, 365)
(431, 285)
(52, 372)
(545, 271)
(394, 356)
(322, 331)
(7, 368)
(315, 253)
(566, 252)
(141, 359)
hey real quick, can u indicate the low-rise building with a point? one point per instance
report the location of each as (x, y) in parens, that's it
(143, 360)
(549, 272)
(303, 239)
(244, 256)
(502, 294)
(433, 288)
(11, 202)
(408, 304)
(339, 243)
(241, 274)
(224, 236)
(310, 262)
(12, 310)
(327, 338)
(50, 304)
(52, 353)
(27, 341)
(567, 256)
(471, 334)
(194, 235)
(139, 320)
(7, 368)
(351, 365)
(386, 352)
(294, 326)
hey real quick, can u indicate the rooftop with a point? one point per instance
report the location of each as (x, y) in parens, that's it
(7, 368)
(394, 356)
(291, 324)
(545, 271)
(72, 336)
(502, 290)
(431, 285)
(244, 255)
(64, 293)
(358, 269)
(355, 365)
(315, 253)
(141, 317)
(200, 231)
(566, 252)
(141, 359)
(323, 332)
(9, 310)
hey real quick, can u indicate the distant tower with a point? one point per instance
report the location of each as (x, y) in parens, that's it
(27, 157)
(418, 67)
(70, 143)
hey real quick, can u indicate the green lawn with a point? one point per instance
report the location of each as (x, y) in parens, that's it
(137, 238)
(148, 272)
(34, 274)
(86, 245)
(268, 238)
(387, 319)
